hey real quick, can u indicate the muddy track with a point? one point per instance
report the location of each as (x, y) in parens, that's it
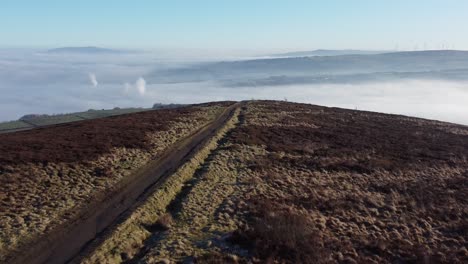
(66, 242)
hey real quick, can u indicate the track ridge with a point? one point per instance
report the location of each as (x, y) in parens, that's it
(64, 243)
(158, 196)
(175, 206)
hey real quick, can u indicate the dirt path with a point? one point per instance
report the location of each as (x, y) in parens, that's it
(129, 239)
(68, 241)
(193, 208)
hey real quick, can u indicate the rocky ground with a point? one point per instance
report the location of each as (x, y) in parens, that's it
(48, 176)
(296, 183)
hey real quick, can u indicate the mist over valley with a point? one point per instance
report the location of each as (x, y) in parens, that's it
(429, 84)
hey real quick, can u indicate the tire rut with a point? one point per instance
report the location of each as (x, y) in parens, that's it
(175, 207)
(171, 187)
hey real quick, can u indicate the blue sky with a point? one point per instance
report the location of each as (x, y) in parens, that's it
(241, 24)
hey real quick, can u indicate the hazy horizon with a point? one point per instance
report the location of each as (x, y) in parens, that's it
(241, 25)
(189, 52)
(41, 83)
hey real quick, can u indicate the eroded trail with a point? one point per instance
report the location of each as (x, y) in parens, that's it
(65, 244)
(302, 184)
(137, 230)
(193, 210)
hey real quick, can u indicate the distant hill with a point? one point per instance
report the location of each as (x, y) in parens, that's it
(39, 120)
(425, 62)
(460, 75)
(84, 50)
(325, 52)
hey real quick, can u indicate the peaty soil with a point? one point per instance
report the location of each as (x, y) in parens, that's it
(298, 183)
(87, 140)
(49, 175)
(364, 187)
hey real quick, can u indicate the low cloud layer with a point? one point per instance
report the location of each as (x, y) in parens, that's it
(52, 84)
(440, 100)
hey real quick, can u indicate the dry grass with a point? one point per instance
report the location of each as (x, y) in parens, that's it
(315, 184)
(296, 183)
(39, 195)
(165, 222)
(129, 237)
(380, 188)
(277, 234)
(218, 258)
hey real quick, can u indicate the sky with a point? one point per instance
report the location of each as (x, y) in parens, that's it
(236, 25)
(182, 33)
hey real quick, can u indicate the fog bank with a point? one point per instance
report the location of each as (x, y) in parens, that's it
(36, 83)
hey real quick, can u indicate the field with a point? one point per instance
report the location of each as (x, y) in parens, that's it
(91, 114)
(14, 125)
(277, 183)
(48, 176)
(47, 120)
(294, 183)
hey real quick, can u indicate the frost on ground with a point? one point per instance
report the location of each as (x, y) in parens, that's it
(49, 176)
(296, 183)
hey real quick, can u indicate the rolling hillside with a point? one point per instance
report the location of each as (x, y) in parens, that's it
(34, 120)
(326, 52)
(418, 64)
(247, 182)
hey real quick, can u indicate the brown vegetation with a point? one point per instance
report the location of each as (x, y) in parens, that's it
(279, 234)
(48, 176)
(379, 188)
(137, 235)
(88, 140)
(165, 222)
(297, 183)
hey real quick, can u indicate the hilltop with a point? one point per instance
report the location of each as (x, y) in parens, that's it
(84, 50)
(328, 52)
(245, 182)
(31, 121)
(443, 64)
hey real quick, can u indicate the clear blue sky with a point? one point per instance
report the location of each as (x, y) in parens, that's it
(239, 24)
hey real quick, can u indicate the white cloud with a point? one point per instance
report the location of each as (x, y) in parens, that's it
(139, 87)
(92, 79)
(140, 84)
